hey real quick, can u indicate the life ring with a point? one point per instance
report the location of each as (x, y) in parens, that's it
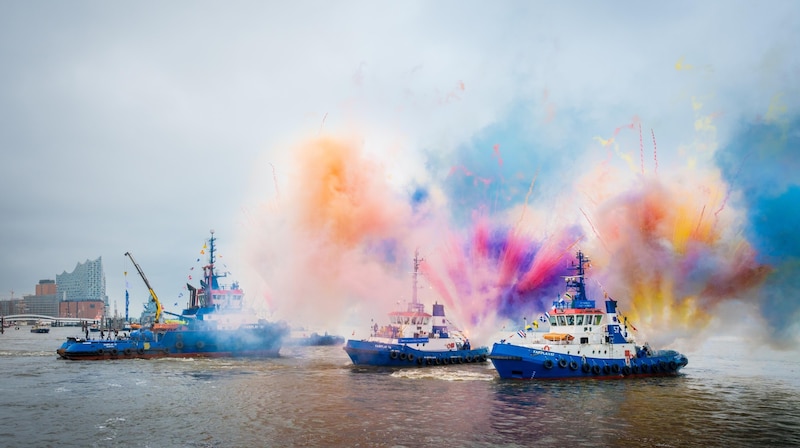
(673, 365)
(546, 348)
(438, 361)
(606, 369)
(562, 363)
(596, 369)
(393, 354)
(445, 361)
(114, 352)
(469, 358)
(548, 363)
(127, 352)
(403, 356)
(483, 358)
(140, 351)
(461, 360)
(573, 365)
(179, 345)
(615, 368)
(645, 367)
(100, 351)
(410, 356)
(419, 361)
(586, 368)
(626, 370)
(200, 344)
(635, 368)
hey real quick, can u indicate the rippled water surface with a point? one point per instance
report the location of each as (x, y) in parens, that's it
(314, 396)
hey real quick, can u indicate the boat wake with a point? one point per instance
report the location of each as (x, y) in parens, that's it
(446, 374)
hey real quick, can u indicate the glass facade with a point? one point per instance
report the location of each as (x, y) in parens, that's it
(86, 283)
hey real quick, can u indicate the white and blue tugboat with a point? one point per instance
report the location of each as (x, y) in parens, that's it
(414, 338)
(583, 342)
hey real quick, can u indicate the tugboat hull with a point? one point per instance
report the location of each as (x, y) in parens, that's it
(524, 363)
(259, 341)
(401, 355)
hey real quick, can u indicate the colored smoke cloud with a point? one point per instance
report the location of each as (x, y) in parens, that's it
(668, 249)
(678, 235)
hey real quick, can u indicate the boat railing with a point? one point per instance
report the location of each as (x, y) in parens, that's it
(541, 340)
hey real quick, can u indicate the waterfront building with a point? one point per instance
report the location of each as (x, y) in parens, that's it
(44, 302)
(46, 288)
(87, 283)
(83, 309)
(11, 306)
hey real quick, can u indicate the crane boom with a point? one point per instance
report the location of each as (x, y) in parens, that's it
(159, 308)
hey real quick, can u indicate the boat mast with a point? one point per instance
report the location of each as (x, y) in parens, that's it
(576, 283)
(581, 275)
(211, 279)
(415, 306)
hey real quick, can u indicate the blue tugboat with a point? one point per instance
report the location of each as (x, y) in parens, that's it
(414, 338)
(214, 325)
(583, 342)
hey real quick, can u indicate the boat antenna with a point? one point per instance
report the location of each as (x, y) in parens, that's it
(415, 306)
(159, 308)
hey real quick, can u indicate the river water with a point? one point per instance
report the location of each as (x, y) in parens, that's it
(314, 396)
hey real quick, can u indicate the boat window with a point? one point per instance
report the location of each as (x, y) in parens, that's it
(579, 320)
(414, 320)
(597, 319)
(553, 320)
(561, 320)
(406, 320)
(570, 320)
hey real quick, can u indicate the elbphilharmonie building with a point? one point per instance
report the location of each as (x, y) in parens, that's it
(86, 283)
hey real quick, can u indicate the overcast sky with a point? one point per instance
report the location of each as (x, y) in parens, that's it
(140, 126)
